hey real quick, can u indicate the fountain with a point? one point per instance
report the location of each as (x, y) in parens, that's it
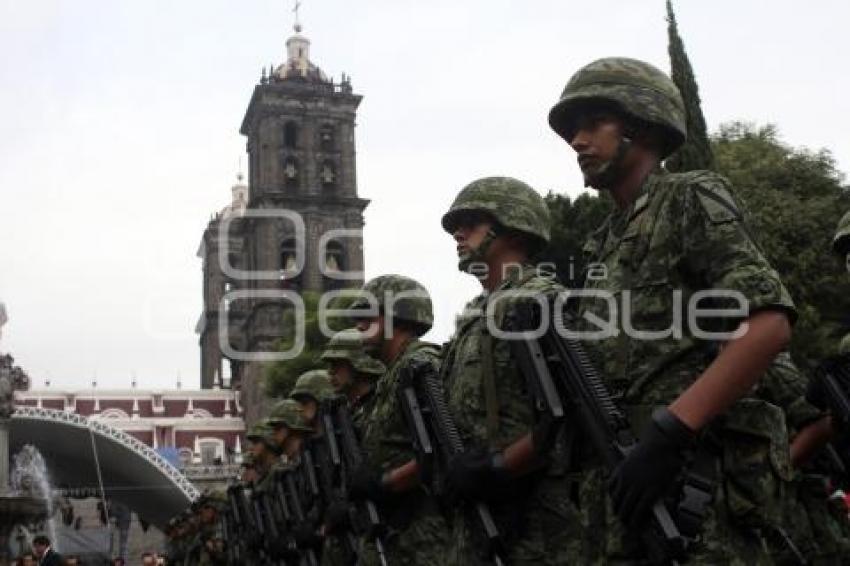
(17, 507)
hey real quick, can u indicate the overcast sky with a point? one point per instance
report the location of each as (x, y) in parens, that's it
(120, 137)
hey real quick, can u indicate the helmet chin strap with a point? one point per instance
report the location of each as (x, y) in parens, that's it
(609, 172)
(477, 253)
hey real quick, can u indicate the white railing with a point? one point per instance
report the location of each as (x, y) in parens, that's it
(105, 431)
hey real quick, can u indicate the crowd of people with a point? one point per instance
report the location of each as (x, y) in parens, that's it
(718, 449)
(43, 554)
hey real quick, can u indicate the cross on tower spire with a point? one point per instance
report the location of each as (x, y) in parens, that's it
(297, 21)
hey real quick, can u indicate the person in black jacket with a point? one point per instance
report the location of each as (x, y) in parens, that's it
(45, 554)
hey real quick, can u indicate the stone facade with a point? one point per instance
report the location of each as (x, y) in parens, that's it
(297, 229)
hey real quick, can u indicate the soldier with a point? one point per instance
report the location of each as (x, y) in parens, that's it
(395, 312)
(207, 547)
(290, 428)
(500, 224)
(184, 531)
(809, 531)
(173, 543)
(247, 473)
(265, 452)
(291, 433)
(310, 389)
(352, 374)
(266, 457)
(673, 238)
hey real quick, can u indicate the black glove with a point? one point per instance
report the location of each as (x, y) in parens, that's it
(337, 516)
(477, 476)
(650, 468)
(367, 483)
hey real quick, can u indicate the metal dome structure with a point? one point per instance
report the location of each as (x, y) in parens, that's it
(88, 454)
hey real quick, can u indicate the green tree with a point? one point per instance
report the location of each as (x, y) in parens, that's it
(696, 152)
(572, 222)
(793, 198)
(280, 376)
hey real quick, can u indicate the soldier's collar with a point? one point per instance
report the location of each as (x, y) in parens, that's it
(363, 397)
(408, 346)
(514, 273)
(645, 193)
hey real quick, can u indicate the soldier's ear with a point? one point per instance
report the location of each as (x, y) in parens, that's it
(646, 135)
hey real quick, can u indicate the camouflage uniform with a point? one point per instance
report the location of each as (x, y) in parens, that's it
(263, 432)
(806, 515)
(417, 532)
(677, 236)
(205, 546)
(175, 545)
(347, 346)
(487, 394)
(183, 540)
(682, 233)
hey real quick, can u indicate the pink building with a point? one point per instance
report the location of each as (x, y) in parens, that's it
(194, 427)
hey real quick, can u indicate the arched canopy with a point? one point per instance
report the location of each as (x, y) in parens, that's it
(132, 472)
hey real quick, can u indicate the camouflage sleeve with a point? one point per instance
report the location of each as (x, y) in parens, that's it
(719, 250)
(386, 439)
(784, 385)
(428, 353)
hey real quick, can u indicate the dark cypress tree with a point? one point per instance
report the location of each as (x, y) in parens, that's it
(696, 153)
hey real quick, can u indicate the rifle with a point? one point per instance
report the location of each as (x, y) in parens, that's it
(326, 453)
(243, 517)
(294, 496)
(831, 388)
(352, 456)
(554, 363)
(267, 526)
(281, 505)
(232, 539)
(437, 440)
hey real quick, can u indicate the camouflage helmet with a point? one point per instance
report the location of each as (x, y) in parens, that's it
(263, 432)
(410, 300)
(637, 89)
(510, 202)
(348, 345)
(288, 412)
(214, 498)
(315, 383)
(841, 242)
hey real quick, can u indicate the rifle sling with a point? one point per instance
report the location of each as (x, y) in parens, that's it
(491, 398)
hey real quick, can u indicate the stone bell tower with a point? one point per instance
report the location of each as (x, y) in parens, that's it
(301, 228)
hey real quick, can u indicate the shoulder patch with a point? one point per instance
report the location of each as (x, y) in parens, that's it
(716, 199)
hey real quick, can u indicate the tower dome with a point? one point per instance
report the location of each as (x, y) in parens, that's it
(298, 64)
(240, 199)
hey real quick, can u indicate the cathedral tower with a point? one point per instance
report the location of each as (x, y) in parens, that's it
(301, 229)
